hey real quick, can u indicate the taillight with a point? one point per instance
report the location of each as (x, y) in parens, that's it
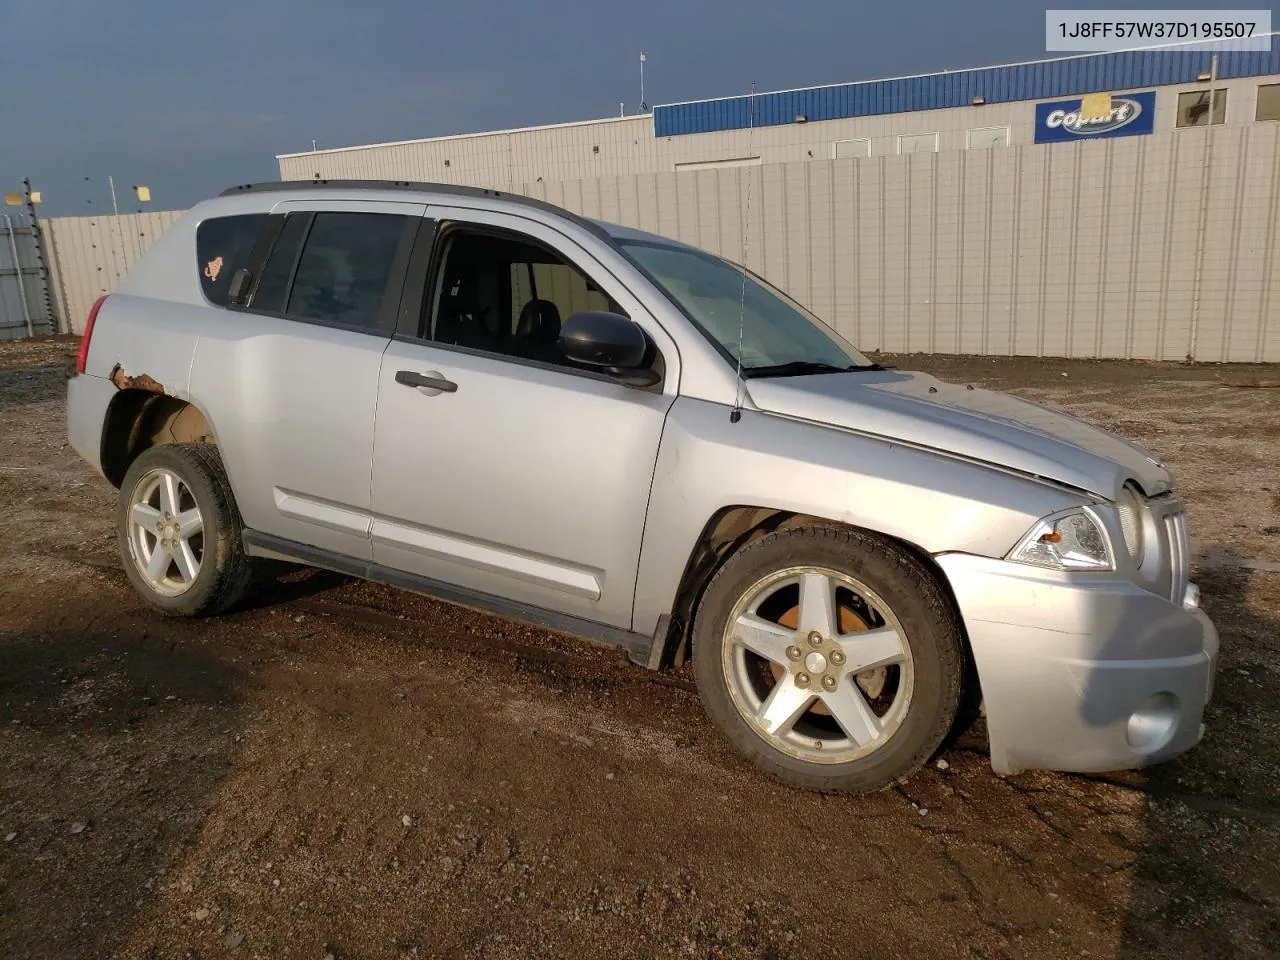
(83, 355)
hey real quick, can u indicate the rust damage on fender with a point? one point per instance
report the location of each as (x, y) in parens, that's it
(142, 381)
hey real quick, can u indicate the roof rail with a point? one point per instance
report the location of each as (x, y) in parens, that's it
(457, 190)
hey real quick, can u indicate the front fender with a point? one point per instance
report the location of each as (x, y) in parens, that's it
(706, 463)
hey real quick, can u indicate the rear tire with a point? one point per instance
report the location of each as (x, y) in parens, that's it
(778, 640)
(179, 531)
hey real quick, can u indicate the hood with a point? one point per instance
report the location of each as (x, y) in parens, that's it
(976, 424)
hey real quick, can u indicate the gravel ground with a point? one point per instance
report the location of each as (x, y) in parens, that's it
(340, 769)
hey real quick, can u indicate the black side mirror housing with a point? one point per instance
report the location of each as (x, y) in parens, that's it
(611, 342)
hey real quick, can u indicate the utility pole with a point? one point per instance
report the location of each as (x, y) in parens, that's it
(1197, 281)
(644, 107)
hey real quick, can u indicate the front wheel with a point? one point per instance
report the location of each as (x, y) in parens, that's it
(179, 531)
(829, 657)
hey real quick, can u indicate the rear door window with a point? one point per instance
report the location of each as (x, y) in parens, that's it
(347, 265)
(273, 286)
(223, 246)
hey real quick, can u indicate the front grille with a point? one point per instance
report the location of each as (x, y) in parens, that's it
(1175, 531)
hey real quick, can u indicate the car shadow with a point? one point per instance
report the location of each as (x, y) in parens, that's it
(1204, 882)
(277, 582)
(113, 741)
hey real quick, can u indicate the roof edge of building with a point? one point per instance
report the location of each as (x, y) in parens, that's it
(464, 136)
(943, 73)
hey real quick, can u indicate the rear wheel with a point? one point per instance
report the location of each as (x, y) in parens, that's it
(829, 657)
(179, 531)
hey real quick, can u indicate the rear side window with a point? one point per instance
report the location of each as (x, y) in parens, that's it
(273, 285)
(223, 246)
(346, 263)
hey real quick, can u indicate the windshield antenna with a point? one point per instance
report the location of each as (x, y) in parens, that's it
(736, 414)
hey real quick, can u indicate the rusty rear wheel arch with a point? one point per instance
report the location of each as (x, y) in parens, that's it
(139, 419)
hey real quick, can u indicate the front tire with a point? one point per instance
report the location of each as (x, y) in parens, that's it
(829, 657)
(179, 531)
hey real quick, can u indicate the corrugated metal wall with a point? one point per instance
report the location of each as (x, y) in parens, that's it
(90, 255)
(616, 147)
(1150, 247)
(25, 307)
(1040, 80)
(1146, 247)
(500, 160)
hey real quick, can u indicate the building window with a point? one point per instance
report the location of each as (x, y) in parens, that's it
(1193, 108)
(860, 147)
(1268, 102)
(918, 143)
(984, 138)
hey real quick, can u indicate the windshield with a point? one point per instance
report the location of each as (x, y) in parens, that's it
(778, 336)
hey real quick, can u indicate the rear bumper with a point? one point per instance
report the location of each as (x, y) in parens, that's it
(88, 398)
(1082, 673)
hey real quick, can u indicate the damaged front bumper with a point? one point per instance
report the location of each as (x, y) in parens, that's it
(1082, 672)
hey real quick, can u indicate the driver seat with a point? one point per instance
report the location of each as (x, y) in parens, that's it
(537, 331)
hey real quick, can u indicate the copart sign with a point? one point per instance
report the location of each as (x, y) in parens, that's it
(1127, 115)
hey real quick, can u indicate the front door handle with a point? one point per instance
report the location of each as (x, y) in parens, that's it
(431, 383)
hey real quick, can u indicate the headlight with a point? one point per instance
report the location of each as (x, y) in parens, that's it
(1130, 507)
(1072, 540)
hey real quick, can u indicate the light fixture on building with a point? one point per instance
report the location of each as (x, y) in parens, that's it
(17, 199)
(143, 192)
(802, 118)
(1204, 75)
(978, 101)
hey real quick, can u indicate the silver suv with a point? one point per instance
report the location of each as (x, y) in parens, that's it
(491, 400)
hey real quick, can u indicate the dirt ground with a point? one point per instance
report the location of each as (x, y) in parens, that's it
(345, 770)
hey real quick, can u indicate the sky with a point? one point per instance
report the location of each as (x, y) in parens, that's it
(189, 98)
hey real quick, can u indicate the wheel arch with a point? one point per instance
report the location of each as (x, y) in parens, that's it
(138, 419)
(730, 529)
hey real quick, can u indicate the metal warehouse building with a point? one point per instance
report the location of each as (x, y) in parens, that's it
(1109, 205)
(954, 110)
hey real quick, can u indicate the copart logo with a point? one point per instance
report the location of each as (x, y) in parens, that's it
(1123, 112)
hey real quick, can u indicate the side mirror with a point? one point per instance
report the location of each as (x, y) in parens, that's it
(611, 342)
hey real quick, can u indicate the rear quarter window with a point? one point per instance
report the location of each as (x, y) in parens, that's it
(223, 246)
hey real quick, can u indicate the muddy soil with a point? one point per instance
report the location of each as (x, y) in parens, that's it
(340, 769)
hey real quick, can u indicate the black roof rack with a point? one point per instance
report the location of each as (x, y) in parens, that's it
(458, 190)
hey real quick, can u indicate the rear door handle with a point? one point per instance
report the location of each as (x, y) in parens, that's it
(431, 383)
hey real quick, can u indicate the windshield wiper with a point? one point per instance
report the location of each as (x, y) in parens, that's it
(797, 368)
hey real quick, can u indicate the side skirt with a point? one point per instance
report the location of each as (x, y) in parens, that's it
(639, 648)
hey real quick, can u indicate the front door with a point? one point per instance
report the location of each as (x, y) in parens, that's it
(498, 466)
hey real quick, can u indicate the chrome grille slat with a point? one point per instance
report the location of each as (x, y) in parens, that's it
(1175, 532)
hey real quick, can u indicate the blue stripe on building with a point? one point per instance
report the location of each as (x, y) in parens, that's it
(1026, 81)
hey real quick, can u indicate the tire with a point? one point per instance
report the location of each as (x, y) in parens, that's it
(221, 570)
(890, 615)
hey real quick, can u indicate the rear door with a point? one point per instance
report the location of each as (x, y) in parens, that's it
(498, 465)
(291, 380)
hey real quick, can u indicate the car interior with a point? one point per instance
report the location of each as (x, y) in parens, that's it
(507, 296)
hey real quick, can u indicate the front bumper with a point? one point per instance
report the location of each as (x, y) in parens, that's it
(1082, 672)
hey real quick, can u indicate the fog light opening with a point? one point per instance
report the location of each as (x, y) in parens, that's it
(1153, 725)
